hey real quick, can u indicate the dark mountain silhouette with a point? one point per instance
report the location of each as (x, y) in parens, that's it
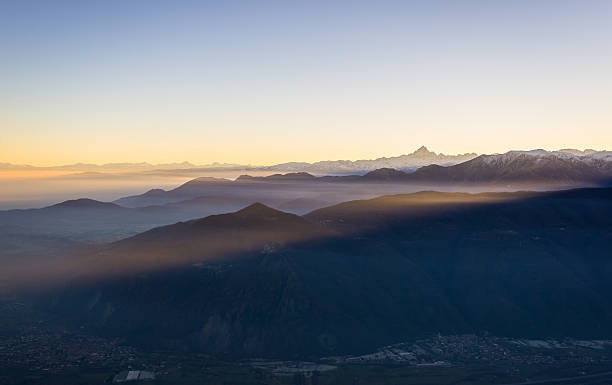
(272, 190)
(86, 220)
(86, 203)
(292, 176)
(385, 174)
(358, 275)
(91, 221)
(255, 226)
(216, 238)
(191, 189)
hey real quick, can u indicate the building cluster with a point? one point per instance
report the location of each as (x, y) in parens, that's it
(470, 348)
(53, 351)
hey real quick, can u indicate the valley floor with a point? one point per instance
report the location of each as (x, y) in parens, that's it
(37, 350)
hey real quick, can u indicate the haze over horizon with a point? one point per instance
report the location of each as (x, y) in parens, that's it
(187, 163)
(277, 82)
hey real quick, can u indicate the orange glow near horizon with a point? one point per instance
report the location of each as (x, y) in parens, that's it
(311, 85)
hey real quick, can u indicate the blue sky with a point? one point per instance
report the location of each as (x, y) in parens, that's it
(265, 82)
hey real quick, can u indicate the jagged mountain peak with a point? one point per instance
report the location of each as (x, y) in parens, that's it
(423, 151)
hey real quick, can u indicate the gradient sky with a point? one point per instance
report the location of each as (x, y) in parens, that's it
(266, 82)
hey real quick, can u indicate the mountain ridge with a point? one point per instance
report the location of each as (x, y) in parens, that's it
(515, 169)
(398, 267)
(84, 203)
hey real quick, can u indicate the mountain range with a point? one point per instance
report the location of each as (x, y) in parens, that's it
(358, 262)
(88, 221)
(524, 167)
(352, 277)
(409, 162)
(515, 169)
(420, 157)
(140, 166)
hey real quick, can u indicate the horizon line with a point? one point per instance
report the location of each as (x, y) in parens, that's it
(233, 165)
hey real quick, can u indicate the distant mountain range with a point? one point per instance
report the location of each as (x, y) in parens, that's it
(297, 192)
(409, 162)
(522, 167)
(142, 166)
(352, 277)
(515, 169)
(420, 157)
(566, 165)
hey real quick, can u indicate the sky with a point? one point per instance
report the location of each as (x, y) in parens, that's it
(262, 82)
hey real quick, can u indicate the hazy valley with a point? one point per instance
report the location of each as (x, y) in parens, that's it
(278, 267)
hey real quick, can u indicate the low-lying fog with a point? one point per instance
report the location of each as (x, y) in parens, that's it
(33, 189)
